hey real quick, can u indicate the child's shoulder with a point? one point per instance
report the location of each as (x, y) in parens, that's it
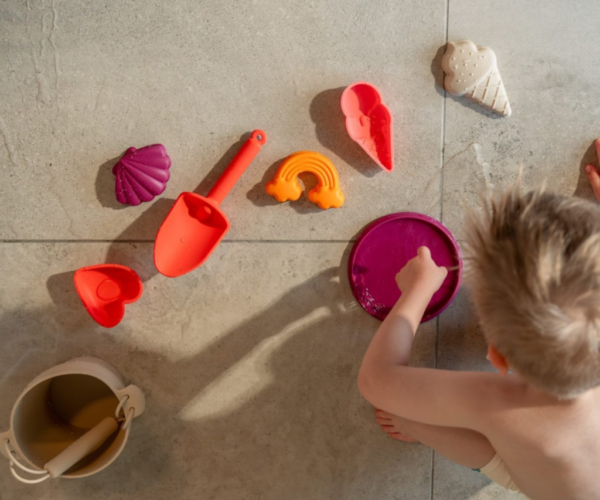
(489, 394)
(513, 393)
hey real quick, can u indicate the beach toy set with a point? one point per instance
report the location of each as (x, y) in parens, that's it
(388, 243)
(191, 231)
(195, 225)
(368, 122)
(74, 420)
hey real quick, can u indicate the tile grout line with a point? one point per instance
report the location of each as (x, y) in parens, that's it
(442, 159)
(443, 138)
(432, 472)
(152, 241)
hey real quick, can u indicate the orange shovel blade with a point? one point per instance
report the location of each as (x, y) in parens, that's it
(188, 235)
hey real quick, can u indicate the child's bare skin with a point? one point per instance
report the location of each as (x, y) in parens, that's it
(593, 175)
(551, 447)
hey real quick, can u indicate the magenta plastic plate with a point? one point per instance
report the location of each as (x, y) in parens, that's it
(385, 246)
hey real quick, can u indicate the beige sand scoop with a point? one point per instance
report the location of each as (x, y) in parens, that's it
(473, 72)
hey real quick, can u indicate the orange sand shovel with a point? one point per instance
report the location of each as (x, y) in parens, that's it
(195, 225)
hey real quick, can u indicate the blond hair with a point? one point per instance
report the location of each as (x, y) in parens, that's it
(534, 270)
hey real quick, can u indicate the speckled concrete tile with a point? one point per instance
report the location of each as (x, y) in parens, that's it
(249, 366)
(546, 56)
(461, 346)
(80, 83)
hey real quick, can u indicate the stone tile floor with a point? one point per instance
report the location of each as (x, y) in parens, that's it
(249, 363)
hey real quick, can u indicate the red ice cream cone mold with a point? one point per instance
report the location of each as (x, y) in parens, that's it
(369, 122)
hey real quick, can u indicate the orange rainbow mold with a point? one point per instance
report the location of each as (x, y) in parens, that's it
(285, 185)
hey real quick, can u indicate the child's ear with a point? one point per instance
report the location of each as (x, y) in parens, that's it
(498, 361)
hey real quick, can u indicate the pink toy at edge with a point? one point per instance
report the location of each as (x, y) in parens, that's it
(105, 289)
(369, 122)
(593, 173)
(141, 174)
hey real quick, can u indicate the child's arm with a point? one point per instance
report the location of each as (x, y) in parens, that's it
(430, 396)
(418, 281)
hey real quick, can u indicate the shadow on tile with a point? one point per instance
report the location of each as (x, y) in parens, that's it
(330, 127)
(257, 195)
(61, 287)
(306, 434)
(461, 343)
(105, 185)
(209, 180)
(148, 222)
(467, 103)
(438, 72)
(62, 291)
(583, 188)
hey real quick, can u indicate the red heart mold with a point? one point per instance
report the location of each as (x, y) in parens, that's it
(105, 289)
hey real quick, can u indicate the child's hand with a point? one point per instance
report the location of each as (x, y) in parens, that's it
(421, 273)
(593, 175)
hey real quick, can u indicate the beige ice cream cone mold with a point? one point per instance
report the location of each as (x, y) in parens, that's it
(472, 71)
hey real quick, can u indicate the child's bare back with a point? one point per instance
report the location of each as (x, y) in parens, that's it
(535, 281)
(551, 448)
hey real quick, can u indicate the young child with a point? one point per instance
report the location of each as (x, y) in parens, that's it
(534, 427)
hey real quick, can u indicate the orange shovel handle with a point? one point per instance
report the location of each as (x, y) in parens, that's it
(238, 166)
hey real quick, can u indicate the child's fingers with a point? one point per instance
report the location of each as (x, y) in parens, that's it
(424, 252)
(594, 178)
(383, 421)
(598, 148)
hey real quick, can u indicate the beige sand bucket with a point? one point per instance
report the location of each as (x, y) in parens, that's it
(72, 421)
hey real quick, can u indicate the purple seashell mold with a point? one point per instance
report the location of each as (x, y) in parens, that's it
(141, 174)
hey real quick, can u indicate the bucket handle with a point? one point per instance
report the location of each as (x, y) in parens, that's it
(13, 461)
(127, 418)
